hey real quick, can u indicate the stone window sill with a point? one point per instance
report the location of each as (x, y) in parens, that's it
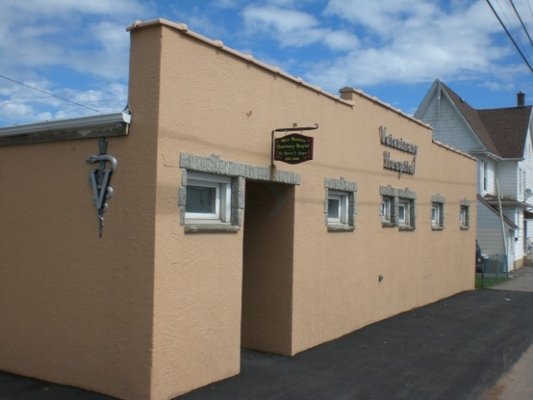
(211, 228)
(407, 228)
(340, 228)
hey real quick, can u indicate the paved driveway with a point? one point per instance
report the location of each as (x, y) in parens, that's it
(459, 348)
(451, 350)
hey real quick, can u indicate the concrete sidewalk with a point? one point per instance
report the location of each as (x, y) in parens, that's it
(516, 384)
(519, 280)
(460, 348)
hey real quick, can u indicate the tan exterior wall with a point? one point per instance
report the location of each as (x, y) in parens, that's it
(213, 102)
(151, 311)
(76, 309)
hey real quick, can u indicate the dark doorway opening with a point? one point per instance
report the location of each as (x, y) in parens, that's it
(268, 267)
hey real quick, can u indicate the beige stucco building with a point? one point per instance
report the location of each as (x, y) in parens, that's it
(206, 246)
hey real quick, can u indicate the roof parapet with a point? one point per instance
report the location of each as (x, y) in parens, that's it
(346, 92)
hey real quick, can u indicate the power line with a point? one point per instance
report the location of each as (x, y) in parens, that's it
(514, 32)
(521, 22)
(509, 36)
(48, 93)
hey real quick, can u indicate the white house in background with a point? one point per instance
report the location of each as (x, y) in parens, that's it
(500, 139)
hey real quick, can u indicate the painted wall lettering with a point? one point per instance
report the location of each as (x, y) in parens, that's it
(399, 144)
(402, 167)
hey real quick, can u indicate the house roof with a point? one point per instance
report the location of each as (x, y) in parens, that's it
(508, 128)
(501, 130)
(507, 221)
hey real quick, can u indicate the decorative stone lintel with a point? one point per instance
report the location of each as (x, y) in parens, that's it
(215, 165)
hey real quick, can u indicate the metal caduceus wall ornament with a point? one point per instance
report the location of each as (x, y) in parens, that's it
(100, 180)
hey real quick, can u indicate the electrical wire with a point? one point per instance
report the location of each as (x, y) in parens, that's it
(521, 21)
(49, 94)
(509, 36)
(511, 25)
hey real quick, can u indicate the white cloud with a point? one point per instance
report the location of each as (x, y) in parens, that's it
(226, 3)
(340, 40)
(202, 24)
(294, 28)
(58, 8)
(383, 17)
(74, 43)
(413, 42)
(10, 109)
(19, 104)
(388, 41)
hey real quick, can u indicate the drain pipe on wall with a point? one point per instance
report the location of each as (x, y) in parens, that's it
(503, 227)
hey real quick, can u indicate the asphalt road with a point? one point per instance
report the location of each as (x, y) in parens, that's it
(455, 349)
(467, 347)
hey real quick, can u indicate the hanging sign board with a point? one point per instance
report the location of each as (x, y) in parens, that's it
(293, 149)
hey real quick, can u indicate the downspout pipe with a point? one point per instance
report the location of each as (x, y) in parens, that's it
(503, 228)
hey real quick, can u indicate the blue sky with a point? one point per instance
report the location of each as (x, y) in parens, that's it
(391, 49)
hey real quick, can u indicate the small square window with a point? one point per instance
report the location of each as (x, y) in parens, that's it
(337, 207)
(465, 217)
(403, 213)
(397, 208)
(406, 220)
(202, 200)
(208, 198)
(437, 216)
(339, 204)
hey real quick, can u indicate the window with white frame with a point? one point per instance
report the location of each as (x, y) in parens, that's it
(437, 215)
(464, 216)
(208, 198)
(437, 212)
(522, 185)
(404, 212)
(386, 209)
(340, 204)
(337, 207)
(397, 208)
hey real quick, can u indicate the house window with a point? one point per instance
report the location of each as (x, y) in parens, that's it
(522, 183)
(397, 208)
(386, 209)
(437, 212)
(208, 198)
(464, 214)
(485, 173)
(437, 216)
(405, 211)
(337, 207)
(340, 204)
